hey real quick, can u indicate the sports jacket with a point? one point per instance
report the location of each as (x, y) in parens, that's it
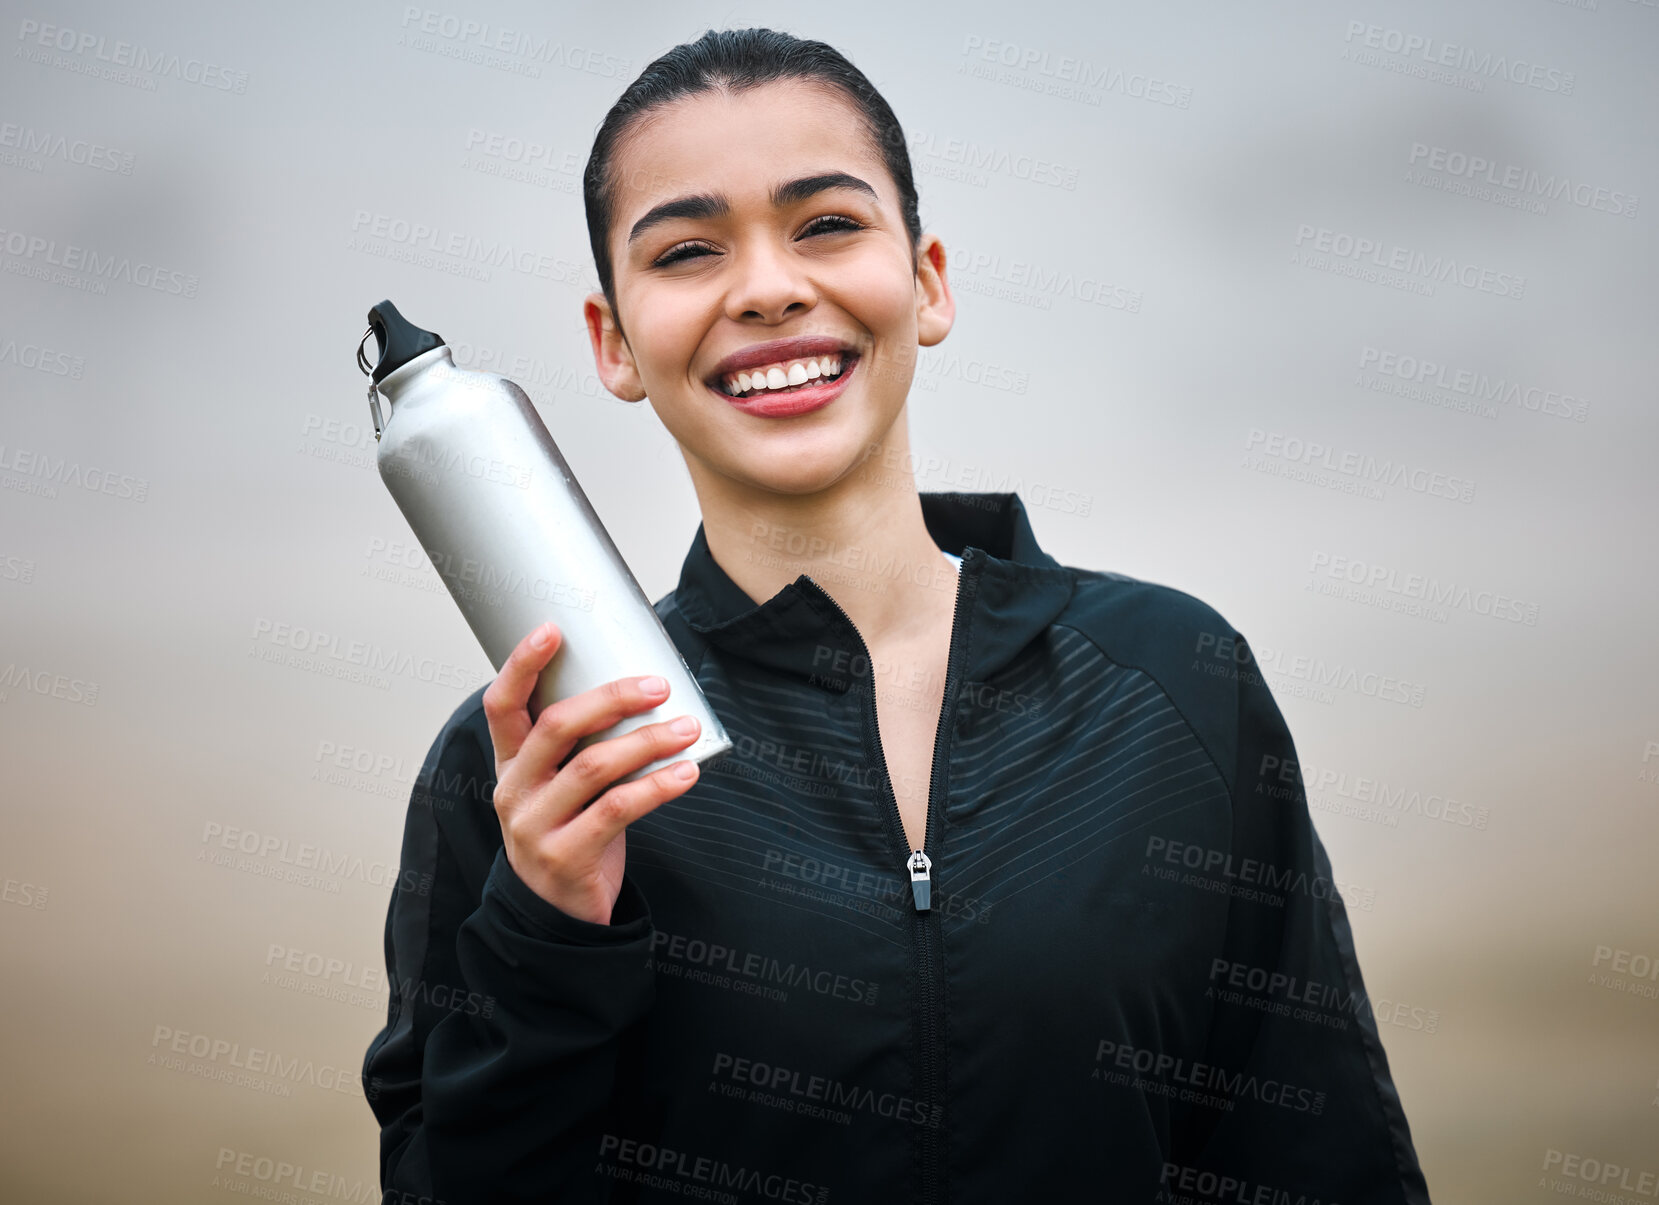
(1123, 974)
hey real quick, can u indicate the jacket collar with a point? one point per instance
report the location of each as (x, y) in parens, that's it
(1011, 590)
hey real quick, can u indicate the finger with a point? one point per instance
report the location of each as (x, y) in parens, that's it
(558, 729)
(506, 700)
(548, 805)
(620, 806)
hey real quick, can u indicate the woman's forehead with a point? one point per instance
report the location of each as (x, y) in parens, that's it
(737, 142)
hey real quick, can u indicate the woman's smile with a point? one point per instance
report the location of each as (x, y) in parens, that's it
(785, 377)
(786, 400)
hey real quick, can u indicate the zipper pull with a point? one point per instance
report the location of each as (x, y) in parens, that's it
(921, 886)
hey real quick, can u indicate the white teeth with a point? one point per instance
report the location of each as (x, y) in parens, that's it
(782, 375)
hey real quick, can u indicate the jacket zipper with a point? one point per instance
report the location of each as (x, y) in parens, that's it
(919, 864)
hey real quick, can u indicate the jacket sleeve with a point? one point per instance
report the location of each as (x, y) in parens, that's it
(494, 1078)
(1293, 1038)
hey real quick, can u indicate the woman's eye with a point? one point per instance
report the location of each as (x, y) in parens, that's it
(677, 253)
(829, 223)
(837, 222)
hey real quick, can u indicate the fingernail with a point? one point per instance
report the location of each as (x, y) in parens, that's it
(544, 636)
(684, 769)
(684, 726)
(653, 686)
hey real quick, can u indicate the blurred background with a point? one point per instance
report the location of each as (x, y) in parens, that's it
(1339, 316)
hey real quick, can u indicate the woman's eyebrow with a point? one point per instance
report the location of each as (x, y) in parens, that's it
(715, 205)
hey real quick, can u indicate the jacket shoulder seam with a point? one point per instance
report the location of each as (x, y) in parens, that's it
(1081, 627)
(1197, 734)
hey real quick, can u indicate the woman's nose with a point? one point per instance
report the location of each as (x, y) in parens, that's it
(769, 282)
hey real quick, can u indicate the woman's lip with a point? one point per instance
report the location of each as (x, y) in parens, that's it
(798, 401)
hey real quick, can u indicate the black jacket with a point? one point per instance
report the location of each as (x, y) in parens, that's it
(1134, 979)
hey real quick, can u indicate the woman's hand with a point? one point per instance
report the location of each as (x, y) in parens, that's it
(565, 844)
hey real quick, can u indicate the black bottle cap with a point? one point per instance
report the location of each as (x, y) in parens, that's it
(398, 339)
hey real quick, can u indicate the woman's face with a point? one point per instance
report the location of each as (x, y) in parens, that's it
(709, 265)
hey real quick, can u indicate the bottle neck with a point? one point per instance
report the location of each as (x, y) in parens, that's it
(395, 384)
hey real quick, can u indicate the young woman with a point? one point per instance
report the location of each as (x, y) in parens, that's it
(1007, 890)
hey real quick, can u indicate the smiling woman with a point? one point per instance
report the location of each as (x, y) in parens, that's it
(1005, 892)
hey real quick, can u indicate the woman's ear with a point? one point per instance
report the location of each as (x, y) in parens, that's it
(612, 357)
(935, 307)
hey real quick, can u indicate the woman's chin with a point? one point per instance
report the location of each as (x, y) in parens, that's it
(806, 475)
(799, 461)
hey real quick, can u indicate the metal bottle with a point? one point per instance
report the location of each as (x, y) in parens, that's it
(502, 519)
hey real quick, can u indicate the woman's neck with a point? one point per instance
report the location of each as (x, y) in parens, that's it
(865, 542)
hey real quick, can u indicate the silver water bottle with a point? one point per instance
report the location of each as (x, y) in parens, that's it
(503, 521)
